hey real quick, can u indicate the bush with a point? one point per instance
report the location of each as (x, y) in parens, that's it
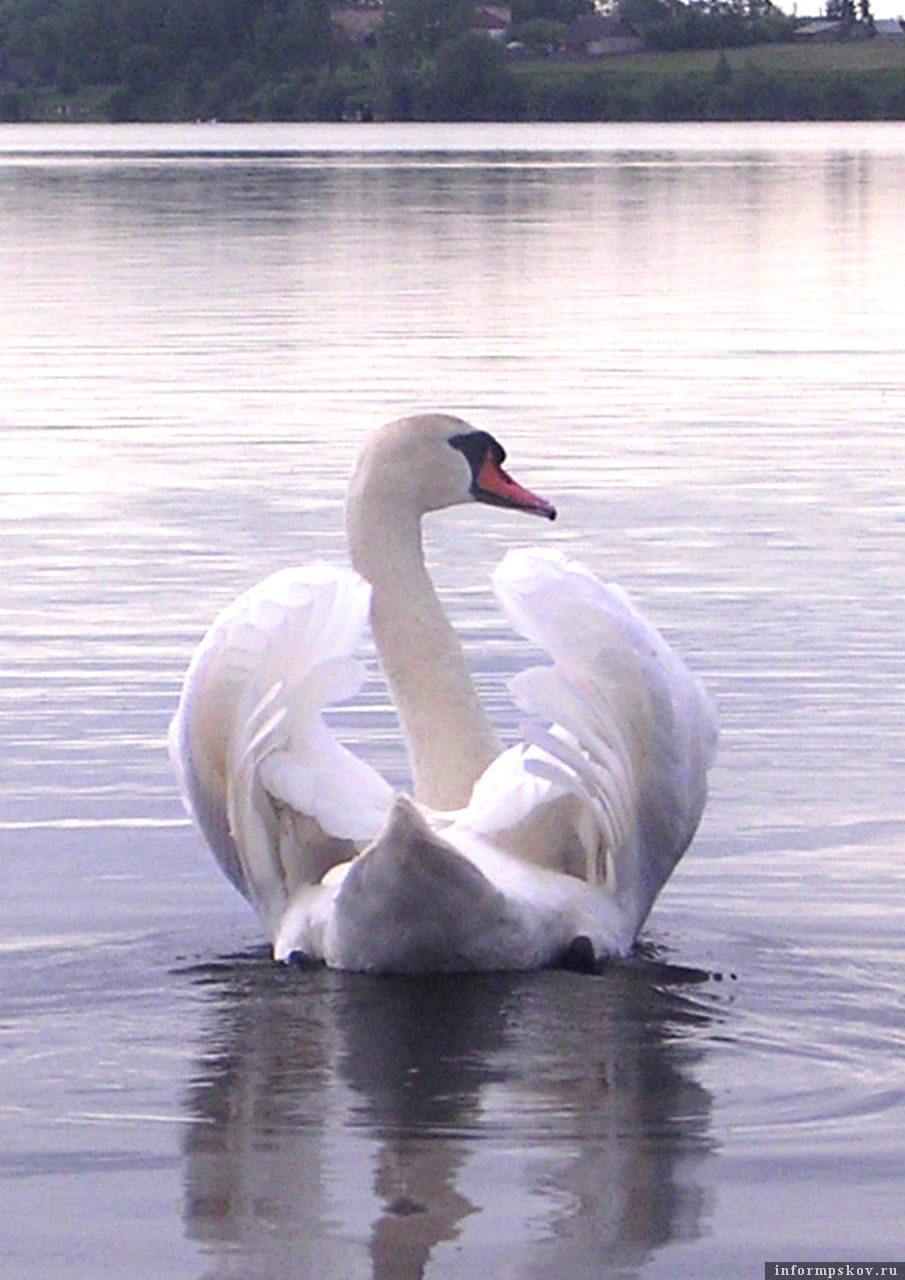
(472, 81)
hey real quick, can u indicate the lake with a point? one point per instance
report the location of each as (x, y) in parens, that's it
(692, 340)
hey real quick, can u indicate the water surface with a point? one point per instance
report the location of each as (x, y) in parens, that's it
(692, 340)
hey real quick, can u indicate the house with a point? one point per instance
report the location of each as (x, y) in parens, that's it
(889, 28)
(819, 31)
(596, 35)
(492, 20)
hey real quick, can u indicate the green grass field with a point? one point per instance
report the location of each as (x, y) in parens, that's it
(849, 56)
(857, 80)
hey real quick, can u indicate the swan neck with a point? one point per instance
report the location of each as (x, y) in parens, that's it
(449, 740)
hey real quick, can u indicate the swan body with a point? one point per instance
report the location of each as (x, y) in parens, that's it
(500, 858)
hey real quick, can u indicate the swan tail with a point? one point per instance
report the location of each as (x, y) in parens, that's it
(276, 797)
(414, 903)
(632, 730)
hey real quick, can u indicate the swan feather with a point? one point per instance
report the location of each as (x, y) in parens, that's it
(645, 727)
(278, 799)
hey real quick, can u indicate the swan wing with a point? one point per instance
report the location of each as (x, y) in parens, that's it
(620, 724)
(276, 797)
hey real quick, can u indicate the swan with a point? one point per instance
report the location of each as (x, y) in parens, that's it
(548, 852)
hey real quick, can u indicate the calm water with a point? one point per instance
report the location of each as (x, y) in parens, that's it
(693, 341)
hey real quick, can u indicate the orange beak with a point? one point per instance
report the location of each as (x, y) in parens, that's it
(495, 486)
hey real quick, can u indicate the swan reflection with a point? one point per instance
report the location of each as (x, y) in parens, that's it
(387, 1127)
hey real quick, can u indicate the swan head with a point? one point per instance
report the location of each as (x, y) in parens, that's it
(431, 461)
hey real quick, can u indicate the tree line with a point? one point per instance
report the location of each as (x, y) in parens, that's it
(166, 58)
(289, 60)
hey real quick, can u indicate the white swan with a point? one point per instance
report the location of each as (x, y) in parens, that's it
(552, 851)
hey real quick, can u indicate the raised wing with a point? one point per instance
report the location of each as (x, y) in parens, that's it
(276, 797)
(631, 732)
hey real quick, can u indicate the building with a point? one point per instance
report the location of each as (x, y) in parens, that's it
(595, 35)
(492, 20)
(889, 28)
(820, 31)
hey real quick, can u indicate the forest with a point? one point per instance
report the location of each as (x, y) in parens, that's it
(160, 60)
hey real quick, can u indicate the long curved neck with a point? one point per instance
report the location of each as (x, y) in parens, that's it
(450, 741)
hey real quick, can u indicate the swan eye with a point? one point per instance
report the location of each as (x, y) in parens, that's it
(477, 447)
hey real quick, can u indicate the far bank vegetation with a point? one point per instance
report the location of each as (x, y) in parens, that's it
(161, 60)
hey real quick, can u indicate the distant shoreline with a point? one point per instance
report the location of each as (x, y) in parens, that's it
(849, 80)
